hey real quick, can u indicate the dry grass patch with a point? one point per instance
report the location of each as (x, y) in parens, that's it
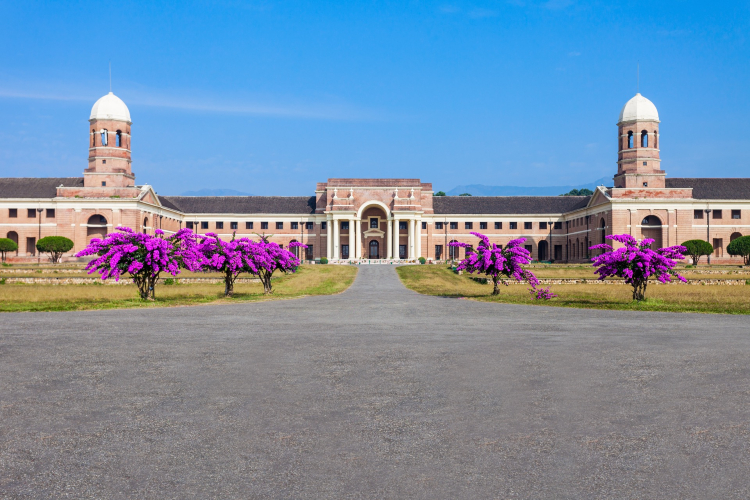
(441, 281)
(308, 280)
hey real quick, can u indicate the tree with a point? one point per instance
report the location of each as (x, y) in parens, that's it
(267, 257)
(741, 247)
(465, 194)
(55, 246)
(142, 256)
(697, 248)
(7, 245)
(579, 192)
(636, 262)
(497, 262)
(227, 257)
(439, 193)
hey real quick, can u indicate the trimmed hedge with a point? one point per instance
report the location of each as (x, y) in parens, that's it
(697, 248)
(55, 246)
(7, 245)
(740, 247)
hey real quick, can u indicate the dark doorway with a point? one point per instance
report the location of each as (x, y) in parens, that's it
(374, 249)
(344, 251)
(543, 251)
(438, 252)
(402, 252)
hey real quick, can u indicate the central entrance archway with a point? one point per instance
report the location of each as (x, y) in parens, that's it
(374, 250)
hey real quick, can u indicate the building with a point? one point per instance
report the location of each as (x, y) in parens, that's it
(383, 218)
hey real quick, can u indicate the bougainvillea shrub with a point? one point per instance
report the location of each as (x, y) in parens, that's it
(266, 257)
(636, 262)
(500, 263)
(143, 256)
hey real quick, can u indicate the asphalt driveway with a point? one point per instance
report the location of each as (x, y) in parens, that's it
(374, 393)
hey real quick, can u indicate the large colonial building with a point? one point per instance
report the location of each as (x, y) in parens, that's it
(383, 218)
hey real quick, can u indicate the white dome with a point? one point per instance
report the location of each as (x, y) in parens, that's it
(110, 107)
(638, 108)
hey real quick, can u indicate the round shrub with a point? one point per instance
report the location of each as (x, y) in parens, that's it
(422, 260)
(323, 260)
(697, 248)
(55, 246)
(7, 245)
(740, 247)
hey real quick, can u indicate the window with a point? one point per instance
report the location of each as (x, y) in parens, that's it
(219, 225)
(717, 214)
(295, 225)
(542, 225)
(104, 162)
(51, 213)
(345, 225)
(104, 137)
(454, 225)
(309, 255)
(233, 225)
(527, 225)
(482, 225)
(697, 214)
(189, 225)
(438, 225)
(402, 224)
(468, 225)
(558, 225)
(204, 224)
(630, 140)
(424, 225)
(93, 138)
(374, 223)
(498, 225)
(645, 184)
(248, 225)
(12, 213)
(309, 226)
(104, 183)
(736, 214)
(279, 225)
(644, 139)
(528, 247)
(31, 213)
(264, 225)
(656, 134)
(323, 225)
(438, 252)
(118, 139)
(514, 225)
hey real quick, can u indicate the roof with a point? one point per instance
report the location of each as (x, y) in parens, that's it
(510, 205)
(714, 188)
(638, 108)
(35, 187)
(110, 107)
(241, 204)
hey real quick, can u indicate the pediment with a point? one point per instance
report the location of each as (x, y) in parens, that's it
(374, 233)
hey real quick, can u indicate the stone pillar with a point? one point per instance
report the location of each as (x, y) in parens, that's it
(352, 244)
(329, 238)
(336, 238)
(419, 238)
(389, 240)
(395, 238)
(410, 248)
(358, 239)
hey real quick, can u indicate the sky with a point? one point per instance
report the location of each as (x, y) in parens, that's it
(271, 97)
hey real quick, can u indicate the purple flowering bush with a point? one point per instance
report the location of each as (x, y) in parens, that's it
(499, 263)
(636, 262)
(266, 257)
(143, 256)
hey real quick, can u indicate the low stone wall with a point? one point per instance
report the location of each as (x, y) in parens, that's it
(123, 281)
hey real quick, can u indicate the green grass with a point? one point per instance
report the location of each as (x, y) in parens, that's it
(308, 280)
(441, 281)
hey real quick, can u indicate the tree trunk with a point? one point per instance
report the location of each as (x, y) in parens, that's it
(228, 284)
(265, 278)
(495, 288)
(639, 290)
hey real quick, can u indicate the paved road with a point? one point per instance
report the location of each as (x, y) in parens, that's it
(374, 393)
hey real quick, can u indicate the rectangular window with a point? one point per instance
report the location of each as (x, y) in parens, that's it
(248, 225)
(498, 225)
(264, 225)
(374, 223)
(189, 225)
(438, 252)
(295, 225)
(104, 183)
(233, 225)
(402, 252)
(51, 213)
(344, 251)
(309, 252)
(482, 225)
(438, 225)
(323, 226)
(527, 225)
(527, 247)
(558, 225)
(454, 225)
(12, 213)
(219, 225)
(204, 224)
(468, 225)
(31, 213)
(514, 225)
(542, 225)
(279, 225)
(345, 225)
(717, 214)
(736, 214)
(424, 225)
(402, 225)
(309, 226)
(697, 214)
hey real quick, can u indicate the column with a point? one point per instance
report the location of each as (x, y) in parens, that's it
(389, 240)
(358, 238)
(336, 238)
(352, 244)
(395, 239)
(329, 238)
(419, 238)
(411, 239)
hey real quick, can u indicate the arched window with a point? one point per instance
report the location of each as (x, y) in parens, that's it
(13, 236)
(651, 220)
(104, 137)
(118, 139)
(295, 250)
(630, 140)
(97, 227)
(734, 236)
(603, 226)
(644, 139)
(656, 139)
(145, 224)
(453, 251)
(93, 138)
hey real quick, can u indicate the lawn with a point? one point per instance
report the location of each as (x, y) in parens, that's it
(441, 281)
(308, 280)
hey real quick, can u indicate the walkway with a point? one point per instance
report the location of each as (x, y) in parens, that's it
(376, 393)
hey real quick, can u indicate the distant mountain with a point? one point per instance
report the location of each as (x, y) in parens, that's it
(215, 192)
(482, 190)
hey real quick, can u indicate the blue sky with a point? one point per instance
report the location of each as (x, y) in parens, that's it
(271, 97)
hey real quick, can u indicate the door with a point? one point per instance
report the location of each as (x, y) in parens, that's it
(438, 252)
(402, 252)
(374, 250)
(344, 251)
(31, 246)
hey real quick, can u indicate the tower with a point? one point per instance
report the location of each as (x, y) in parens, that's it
(638, 162)
(109, 146)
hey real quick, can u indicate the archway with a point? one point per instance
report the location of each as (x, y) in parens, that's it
(734, 236)
(374, 249)
(13, 236)
(294, 250)
(651, 228)
(453, 251)
(543, 250)
(145, 225)
(97, 227)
